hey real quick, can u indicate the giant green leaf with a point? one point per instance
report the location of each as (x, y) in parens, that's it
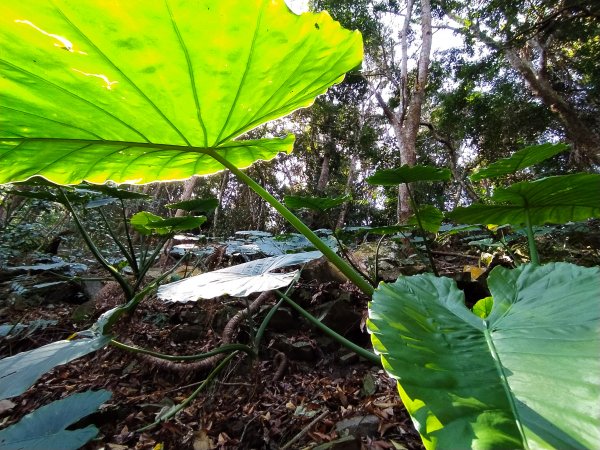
(557, 199)
(430, 216)
(526, 376)
(408, 174)
(19, 372)
(146, 223)
(45, 428)
(237, 281)
(522, 159)
(141, 91)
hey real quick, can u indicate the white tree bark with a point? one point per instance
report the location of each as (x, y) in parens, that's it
(406, 121)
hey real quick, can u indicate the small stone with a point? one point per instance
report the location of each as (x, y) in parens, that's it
(349, 359)
(359, 425)
(187, 333)
(345, 443)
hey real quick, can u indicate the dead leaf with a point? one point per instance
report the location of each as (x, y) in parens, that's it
(202, 441)
(6, 405)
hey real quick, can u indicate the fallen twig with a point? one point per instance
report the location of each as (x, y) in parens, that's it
(305, 430)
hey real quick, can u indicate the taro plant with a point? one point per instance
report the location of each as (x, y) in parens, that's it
(426, 218)
(147, 225)
(153, 96)
(521, 370)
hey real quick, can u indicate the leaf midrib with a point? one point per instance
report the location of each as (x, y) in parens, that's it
(505, 385)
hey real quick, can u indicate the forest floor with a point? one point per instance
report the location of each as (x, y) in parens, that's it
(303, 391)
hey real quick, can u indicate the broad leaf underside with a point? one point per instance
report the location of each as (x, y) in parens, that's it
(141, 91)
(557, 199)
(522, 159)
(472, 383)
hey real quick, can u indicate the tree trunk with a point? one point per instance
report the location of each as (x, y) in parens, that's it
(586, 143)
(348, 191)
(324, 175)
(222, 187)
(188, 190)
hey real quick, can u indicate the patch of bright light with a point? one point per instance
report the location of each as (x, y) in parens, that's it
(108, 84)
(298, 6)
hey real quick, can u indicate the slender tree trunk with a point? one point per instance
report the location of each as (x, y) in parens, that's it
(453, 163)
(188, 190)
(222, 188)
(324, 175)
(348, 191)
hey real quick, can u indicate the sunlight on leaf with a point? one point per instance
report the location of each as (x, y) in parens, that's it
(157, 86)
(473, 383)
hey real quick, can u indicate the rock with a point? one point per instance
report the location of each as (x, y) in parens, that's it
(6, 405)
(345, 443)
(92, 287)
(369, 386)
(348, 359)
(302, 351)
(299, 351)
(45, 288)
(54, 264)
(358, 426)
(187, 333)
(341, 318)
(84, 312)
(58, 291)
(283, 320)
(322, 271)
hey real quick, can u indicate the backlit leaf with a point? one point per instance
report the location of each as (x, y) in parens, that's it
(558, 199)
(430, 216)
(519, 160)
(141, 91)
(315, 203)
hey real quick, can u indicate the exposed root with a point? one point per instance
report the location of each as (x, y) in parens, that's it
(230, 332)
(280, 361)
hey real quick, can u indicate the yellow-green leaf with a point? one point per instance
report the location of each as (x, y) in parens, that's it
(140, 91)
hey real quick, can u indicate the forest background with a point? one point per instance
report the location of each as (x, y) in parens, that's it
(446, 83)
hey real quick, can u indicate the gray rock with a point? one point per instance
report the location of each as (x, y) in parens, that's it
(359, 425)
(345, 443)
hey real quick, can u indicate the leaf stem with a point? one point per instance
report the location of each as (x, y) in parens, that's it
(332, 256)
(128, 291)
(370, 356)
(425, 238)
(223, 349)
(533, 253)
(129, 257)
(128, 235)
(510, 397)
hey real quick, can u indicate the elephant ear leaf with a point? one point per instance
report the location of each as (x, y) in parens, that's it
(146, 223)
(237, 281)
(45, 428)
(147, 91)
(522, 159)
(557, 199)
(527, 376)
